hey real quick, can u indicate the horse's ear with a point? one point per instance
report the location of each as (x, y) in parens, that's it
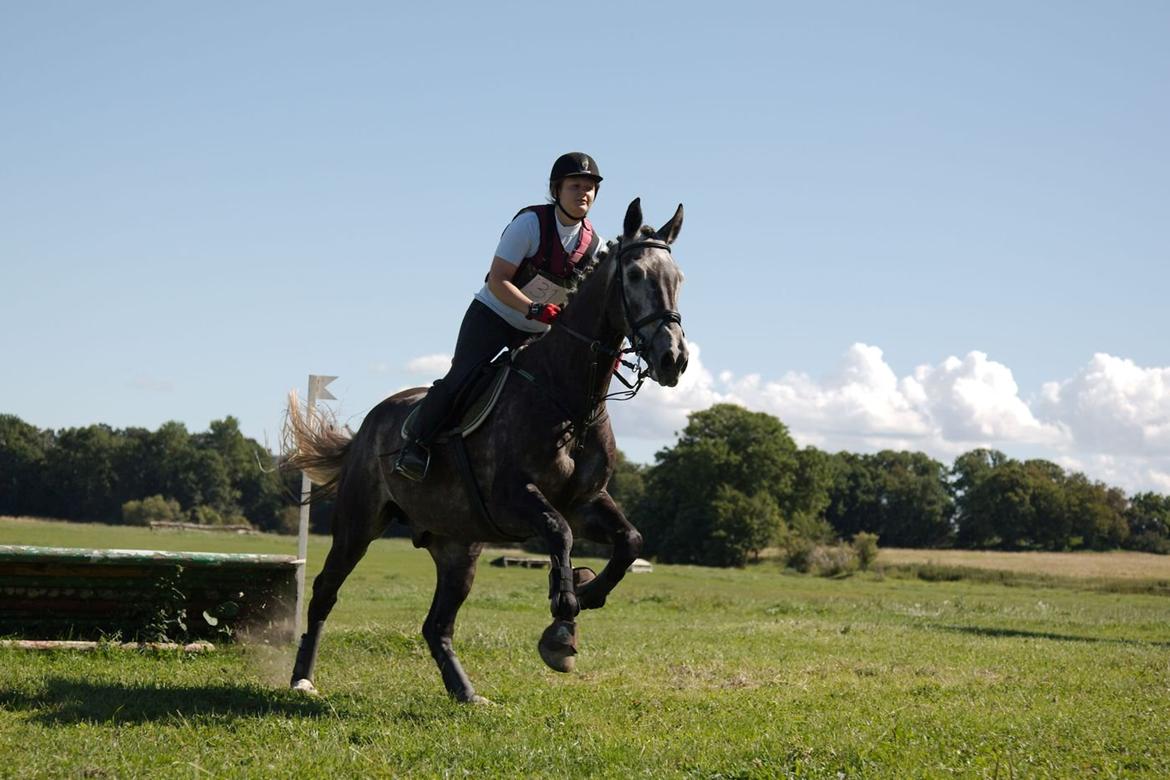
(669, 231)
(633, 221)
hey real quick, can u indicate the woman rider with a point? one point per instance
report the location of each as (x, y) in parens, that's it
(523, 293)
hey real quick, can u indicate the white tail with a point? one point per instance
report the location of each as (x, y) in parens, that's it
(312, 442)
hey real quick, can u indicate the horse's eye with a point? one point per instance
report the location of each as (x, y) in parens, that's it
(635, 274)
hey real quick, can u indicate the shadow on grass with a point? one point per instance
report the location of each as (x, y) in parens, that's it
(1021, 634)
(65, 700)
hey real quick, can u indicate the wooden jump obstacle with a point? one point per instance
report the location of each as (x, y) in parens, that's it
(73, 593)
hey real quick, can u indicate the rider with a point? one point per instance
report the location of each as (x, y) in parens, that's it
(523, 293)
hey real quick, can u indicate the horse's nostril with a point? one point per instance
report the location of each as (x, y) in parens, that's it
(682, 366)
(667, 362)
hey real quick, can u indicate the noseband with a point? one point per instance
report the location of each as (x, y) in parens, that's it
(663, 317)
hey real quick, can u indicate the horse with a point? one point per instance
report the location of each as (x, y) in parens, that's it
(543, 458)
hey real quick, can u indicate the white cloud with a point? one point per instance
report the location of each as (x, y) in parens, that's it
(1131, 473)
(657, 413)
(1113, 406)
(977, 400)
(431, 365)
(1110, 420)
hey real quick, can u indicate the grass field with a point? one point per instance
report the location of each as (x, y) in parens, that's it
(1081, 565)
(688, 672)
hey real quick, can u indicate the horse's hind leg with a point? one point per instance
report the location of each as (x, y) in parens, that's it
(455, 568)
(602, 521)
(350, 542)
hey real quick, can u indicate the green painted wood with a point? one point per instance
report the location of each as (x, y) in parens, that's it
(29, 553)
(51, 592)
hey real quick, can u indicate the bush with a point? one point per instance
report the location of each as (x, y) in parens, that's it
(152, 510)
(288, 521)
(1150, 541)
(205, 515)
(866, 547)
(798, 553)
(821, 559)
(833, 561)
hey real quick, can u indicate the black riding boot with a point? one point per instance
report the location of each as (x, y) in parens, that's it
(433, 410)
(413, 460)
(482, 334)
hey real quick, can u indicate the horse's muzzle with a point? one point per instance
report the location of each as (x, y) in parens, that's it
(671, 362)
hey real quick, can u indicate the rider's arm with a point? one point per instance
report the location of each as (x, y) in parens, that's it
(500, 283)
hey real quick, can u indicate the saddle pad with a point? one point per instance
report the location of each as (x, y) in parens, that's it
(475, 413)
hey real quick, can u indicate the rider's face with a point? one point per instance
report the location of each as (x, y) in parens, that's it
(576, 195)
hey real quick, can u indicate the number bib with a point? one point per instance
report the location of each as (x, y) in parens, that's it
(544, 289)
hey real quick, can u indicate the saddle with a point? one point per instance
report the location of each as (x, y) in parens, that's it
(472, 405)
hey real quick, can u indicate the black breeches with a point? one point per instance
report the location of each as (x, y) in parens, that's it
(481, 336)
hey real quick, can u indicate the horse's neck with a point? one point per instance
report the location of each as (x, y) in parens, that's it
(571, 363)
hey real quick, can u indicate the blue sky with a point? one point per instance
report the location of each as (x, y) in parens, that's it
(916, 225)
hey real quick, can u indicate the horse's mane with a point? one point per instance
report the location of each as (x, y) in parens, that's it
(583, 272)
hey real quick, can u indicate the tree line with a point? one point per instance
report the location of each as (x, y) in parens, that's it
(92, 473)
(736, 483)
(733, 484)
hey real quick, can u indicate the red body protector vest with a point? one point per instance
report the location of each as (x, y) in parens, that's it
(544, 275)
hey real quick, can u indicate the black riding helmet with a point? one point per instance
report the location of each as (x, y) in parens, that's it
(574, 164)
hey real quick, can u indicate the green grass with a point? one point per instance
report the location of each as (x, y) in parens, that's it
(687, 672)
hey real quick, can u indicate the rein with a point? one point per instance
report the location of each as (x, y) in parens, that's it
(637, 346)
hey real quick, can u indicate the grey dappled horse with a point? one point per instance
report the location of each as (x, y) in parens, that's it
(542, 460)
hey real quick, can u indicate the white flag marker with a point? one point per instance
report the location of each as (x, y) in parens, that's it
(317, 391)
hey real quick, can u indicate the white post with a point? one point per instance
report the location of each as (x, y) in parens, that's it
(317, 390)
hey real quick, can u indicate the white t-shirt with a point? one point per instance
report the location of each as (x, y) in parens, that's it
(521, 239)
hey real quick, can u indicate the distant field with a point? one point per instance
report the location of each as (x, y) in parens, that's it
(688, 672)
(1107, 565)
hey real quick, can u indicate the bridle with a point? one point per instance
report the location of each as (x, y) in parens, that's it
(638, 346)
(663, 317)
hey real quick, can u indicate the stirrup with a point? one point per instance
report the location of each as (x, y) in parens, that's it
(413, 461)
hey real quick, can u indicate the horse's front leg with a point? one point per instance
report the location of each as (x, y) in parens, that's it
(558, 643)
(600, 520)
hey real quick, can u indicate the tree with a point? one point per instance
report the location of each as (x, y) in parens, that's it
(628, 483)
(974, 510)
(903, 497)
(972, 467)
(916, 505)
(854, 495)
(1097, 513)
(80, 475)
(22, 462)
(1148, 517)
(727, 461)
(810, 495)
(742, 526)
(1051, 526)
(996, 510)
(256, 486)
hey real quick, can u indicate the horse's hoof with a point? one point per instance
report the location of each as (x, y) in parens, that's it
(583, 575)
(587, 597)
(305, 686)
(558, 646)
(482, 701)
